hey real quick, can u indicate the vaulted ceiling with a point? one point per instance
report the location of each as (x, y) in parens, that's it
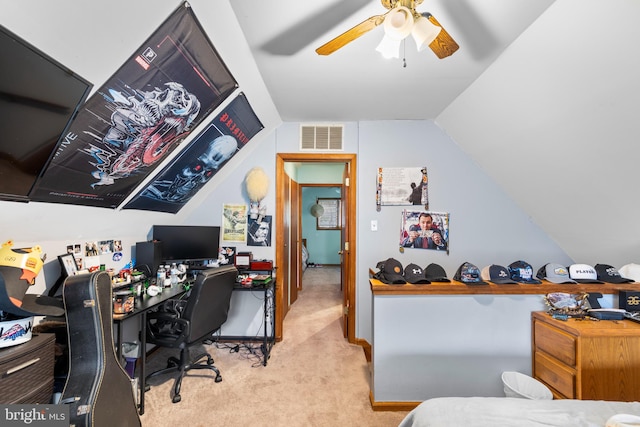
(542, 94)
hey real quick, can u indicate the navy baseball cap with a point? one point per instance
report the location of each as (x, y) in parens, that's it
(522, 272)
(469, 273)
(413, 273)
(435, 273)
(496, 274)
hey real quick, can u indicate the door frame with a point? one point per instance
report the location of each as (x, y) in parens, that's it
(282, 243)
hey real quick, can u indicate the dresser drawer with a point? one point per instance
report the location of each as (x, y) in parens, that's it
(555, 342)
(26, 371)
(555, 374)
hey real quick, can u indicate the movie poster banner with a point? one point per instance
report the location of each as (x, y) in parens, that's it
(176, 184)
(138, 117)
(234, 223)
(402, 186)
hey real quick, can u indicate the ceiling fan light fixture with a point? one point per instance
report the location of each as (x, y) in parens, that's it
(424, 33)
(389, 47)
(398, 23)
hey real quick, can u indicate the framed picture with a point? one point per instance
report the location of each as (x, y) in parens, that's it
(425, 230)
(330, 218)
(68, 264)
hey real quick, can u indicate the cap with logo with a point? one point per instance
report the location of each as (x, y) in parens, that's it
(391, 272)
(469, 273)
(522, 272)
(413, 273)
(435, 273)
(583, 273)
(496, 274)
(554, 273)
(610, 274)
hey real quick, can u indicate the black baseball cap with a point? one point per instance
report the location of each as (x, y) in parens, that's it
(435, 273)
(497, 274)
(413, 273)
(610, 274)
(391, 271)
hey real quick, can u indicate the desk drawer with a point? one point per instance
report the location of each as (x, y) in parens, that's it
(555, 374)
(26, 371)
(555, 342)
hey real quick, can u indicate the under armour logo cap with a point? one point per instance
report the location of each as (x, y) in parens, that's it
(413, 273)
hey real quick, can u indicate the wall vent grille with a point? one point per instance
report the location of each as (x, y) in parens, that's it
(321, 138)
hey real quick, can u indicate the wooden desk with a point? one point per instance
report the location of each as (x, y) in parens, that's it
(143, 305)
(587, 359)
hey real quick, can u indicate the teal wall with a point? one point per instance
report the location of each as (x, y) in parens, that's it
(323, 245)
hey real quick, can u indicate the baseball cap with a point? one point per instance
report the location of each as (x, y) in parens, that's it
(632, 271)
(435, 273)
(413, 273)
(522, 272)
(391, 272)
(583, 273)
(469, 273)
(554, 273)
(496, 274)
(610, 274)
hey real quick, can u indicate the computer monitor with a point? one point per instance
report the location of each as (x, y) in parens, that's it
(182, 243)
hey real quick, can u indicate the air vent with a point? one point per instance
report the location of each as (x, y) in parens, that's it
(315, 138)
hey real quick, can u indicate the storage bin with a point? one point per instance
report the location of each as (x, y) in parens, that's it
(523, 386)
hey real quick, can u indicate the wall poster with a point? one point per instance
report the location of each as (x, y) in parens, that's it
(139, 116)
(178, 182)
(425, 230)
(330, 218)
(402, 186)
(259, 231)
(234, 223)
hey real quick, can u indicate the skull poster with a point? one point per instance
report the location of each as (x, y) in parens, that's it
(138, 117)
(200, 161)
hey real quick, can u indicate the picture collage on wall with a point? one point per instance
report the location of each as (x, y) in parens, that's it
(238, 226)
(92, 253)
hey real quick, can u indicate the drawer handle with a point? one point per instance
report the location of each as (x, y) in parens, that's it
(24, 365)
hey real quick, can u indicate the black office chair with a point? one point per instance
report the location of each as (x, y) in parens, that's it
(188, 322)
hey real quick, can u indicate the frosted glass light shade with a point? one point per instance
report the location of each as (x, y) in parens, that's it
(389, 47)
(424, 32)
(398, 23)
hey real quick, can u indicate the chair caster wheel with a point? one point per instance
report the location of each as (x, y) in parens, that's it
(176, 398)
(218, 378)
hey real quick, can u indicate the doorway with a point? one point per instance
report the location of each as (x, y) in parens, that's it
(288, 238)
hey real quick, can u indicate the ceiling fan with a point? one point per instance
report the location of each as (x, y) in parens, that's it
(399, 21)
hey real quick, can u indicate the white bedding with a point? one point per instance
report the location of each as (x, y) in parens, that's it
(515, 412)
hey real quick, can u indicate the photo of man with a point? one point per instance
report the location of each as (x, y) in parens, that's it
(425, 230)
(259, 232)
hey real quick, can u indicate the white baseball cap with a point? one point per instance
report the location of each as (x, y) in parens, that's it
(630, 271)
(583, 273)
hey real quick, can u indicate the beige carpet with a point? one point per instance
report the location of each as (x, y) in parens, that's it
(313, 378)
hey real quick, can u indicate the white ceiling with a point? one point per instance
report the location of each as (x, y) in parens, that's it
(355, 82)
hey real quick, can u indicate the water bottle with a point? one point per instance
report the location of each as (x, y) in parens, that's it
(174, 274)
(162, 274)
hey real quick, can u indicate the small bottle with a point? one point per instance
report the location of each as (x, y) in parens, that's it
(174, 274)
(162, 274)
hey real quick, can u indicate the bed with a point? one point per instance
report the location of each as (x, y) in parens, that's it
(517, 412)
(305, 255)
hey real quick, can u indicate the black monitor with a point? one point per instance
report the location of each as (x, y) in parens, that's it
(187, 242)
(39, 97)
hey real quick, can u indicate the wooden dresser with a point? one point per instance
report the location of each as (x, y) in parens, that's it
(587, 359)
(26, 371)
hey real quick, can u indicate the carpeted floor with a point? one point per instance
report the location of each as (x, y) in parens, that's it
(313, 378)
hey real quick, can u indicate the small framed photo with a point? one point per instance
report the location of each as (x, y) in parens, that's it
(68, 264)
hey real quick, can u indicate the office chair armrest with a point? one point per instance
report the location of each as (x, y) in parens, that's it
(167, 329)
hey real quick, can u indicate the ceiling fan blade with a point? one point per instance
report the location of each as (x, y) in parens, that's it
(351, 34)
(444, 45)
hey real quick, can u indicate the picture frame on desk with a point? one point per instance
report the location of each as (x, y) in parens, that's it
(243, 260)
(68, 264)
